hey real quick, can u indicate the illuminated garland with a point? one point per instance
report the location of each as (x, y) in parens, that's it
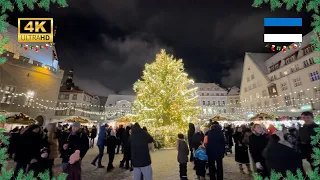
(110, 109)
(282, 48)
(36, 48)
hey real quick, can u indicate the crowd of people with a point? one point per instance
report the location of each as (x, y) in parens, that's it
(35, 148)
(256, 147)
(266, 149)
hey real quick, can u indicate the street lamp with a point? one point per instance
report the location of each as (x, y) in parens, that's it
(31, 94)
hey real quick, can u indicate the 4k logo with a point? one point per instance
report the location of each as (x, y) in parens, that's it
(35, 29)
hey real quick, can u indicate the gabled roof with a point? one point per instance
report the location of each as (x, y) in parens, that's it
(114, 98)
(234, 91)
(259, 59)
(208, 85)
(103, 100)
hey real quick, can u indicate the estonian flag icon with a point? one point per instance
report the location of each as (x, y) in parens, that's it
(282, 30)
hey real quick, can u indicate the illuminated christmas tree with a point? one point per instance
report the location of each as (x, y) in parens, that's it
(165, 99)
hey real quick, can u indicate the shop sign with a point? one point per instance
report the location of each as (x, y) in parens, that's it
(307, 107)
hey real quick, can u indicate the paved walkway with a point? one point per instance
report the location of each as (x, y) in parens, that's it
(164, 164)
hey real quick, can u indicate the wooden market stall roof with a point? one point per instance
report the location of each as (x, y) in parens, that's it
(18, 118)
(124, 119)
(74, 119)
(218, 118)
(263, 116)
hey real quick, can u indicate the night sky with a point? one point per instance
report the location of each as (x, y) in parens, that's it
(107, 42)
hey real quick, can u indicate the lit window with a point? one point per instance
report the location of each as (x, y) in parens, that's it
(74, 96)
(284, 86)
(314, 76)
(297, 82)
(7, 96)
(287, 99)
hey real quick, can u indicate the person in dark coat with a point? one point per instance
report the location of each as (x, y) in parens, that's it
(120, 133)
(14, 136)
(126, 150)
(304, 138)
(100, 143)
(29, 144)
(141, 160)
(241, 150)
(76, 141)
(93, 134)
(215, 151)
(191, 132)
(111, 148)
(229, 133)
(182, 157)
(41, 163)
(281, 156)
(257, 143)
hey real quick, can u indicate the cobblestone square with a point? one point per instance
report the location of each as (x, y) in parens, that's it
(164, 164)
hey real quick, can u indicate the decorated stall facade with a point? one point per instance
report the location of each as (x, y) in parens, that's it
(14, 119)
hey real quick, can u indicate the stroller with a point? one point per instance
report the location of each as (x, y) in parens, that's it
(226, 144)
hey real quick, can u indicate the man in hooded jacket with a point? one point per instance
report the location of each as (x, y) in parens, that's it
(141, 160)
(215, 151)
(100, 143)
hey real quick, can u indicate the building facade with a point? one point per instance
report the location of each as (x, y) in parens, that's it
(233, 100)
(118, 106)
(30, 79)
(284, 84)
(212, 99)
(75, 103)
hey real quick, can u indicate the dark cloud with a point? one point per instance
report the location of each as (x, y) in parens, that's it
(108, 42)
(119, 62)
(232, 76)
(93, 86)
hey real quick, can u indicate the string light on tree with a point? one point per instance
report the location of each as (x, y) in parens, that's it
(163, 96)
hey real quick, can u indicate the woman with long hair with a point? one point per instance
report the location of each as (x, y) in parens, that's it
(53, 143)
(241, 150)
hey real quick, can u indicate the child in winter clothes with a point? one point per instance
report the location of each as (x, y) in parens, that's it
(40, 164)
(201, 159)
(183, 152)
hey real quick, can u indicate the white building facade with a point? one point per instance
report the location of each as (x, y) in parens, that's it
(233, 101)
(118, 106)
(212, 99)
(283, 84)
(76, 103)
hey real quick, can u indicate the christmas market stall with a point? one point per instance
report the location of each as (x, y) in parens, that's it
(125, 121)
(262, 116)
(218, 118)
(14, 119)
(70, 120)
